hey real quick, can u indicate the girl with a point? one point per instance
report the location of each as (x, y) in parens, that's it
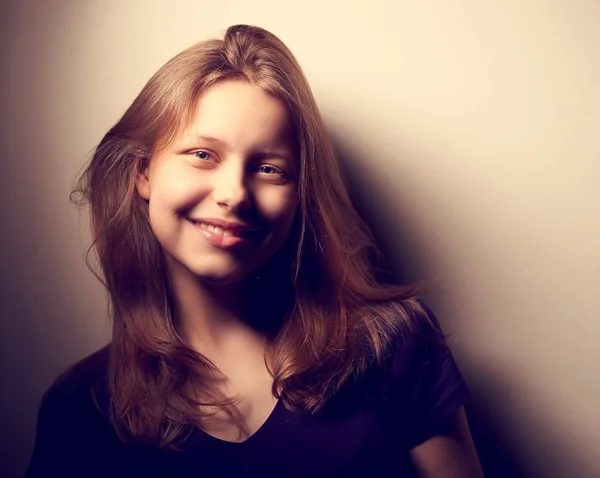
(253, 331)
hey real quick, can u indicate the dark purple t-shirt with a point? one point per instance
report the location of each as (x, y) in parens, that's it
(367, 430)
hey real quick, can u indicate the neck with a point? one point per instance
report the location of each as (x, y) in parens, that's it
(212, 316)
(207, 314)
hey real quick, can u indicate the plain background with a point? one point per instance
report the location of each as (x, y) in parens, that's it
(471, 132)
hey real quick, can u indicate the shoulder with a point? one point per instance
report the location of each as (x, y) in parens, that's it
(79, 391)
(421, 386)
(89, 372)
(416, 386)
(415, 337)
(72, 426)
(413, 340)
(416, 344)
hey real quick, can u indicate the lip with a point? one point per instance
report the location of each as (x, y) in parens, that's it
(234, 227)
(242, 235)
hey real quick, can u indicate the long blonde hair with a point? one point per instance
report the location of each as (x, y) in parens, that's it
(339, 317)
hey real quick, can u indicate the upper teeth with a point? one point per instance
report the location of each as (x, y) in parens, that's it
(216, 229)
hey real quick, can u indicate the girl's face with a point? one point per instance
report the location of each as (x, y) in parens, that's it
(222, 197)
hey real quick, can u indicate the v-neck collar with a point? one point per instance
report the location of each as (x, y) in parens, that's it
(252, 438)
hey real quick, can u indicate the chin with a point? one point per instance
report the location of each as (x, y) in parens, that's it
(211, 272)
(220, 279)
(223, 276)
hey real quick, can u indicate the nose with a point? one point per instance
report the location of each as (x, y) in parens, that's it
(230, 188)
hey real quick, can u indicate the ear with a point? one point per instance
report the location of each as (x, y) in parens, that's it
(142, 182)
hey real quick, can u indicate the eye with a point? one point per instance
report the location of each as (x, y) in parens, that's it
(202, 155)
(272, 173)
(266, 169)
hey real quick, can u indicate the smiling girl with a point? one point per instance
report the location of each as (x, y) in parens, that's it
(252, 335)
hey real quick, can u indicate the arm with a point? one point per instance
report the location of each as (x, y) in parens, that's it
(449, 454)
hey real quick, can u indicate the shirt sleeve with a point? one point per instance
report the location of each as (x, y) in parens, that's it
(72, 435)
(427, 388)
(57, 447)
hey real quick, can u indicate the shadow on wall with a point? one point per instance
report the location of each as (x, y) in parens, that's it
(408, 261)
(493, 448)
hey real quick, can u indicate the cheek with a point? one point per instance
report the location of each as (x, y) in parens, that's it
(175, 192)
(277, 204)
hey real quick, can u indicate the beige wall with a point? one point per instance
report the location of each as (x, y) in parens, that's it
(472, 133)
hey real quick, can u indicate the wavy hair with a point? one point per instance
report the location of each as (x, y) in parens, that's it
(339, 317)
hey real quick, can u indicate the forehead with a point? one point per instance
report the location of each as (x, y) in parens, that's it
(241, 115)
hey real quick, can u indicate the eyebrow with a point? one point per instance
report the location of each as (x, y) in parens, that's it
(211, 139)
(278, 152)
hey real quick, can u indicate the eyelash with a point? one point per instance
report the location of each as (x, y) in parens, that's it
(277, 170)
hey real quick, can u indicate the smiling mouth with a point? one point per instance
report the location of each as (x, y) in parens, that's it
(227, 238)
(219, 231)
(224, 231)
